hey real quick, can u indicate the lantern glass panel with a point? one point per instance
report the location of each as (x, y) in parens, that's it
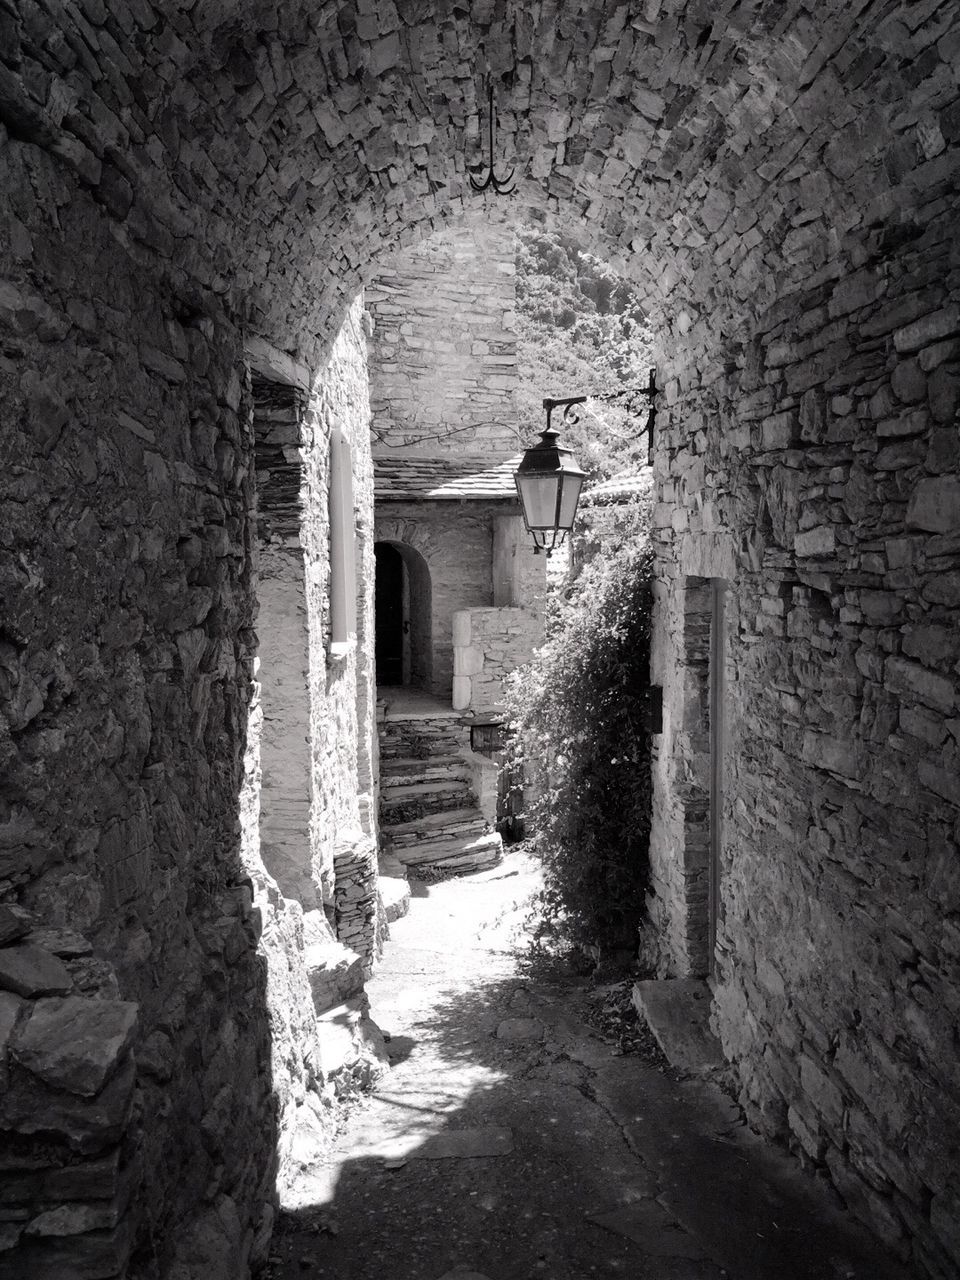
(572, 485)
(538, 494)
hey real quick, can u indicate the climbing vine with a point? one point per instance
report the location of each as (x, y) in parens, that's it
(580, 718)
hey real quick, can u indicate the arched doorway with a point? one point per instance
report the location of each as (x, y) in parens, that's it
(402, 612)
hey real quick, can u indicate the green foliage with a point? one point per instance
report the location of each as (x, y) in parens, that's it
(580, 331)
(580, 717)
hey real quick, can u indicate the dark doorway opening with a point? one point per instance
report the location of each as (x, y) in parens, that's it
(403, 616)
(389, 614)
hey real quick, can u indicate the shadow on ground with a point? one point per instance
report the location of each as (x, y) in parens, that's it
(511, 1140)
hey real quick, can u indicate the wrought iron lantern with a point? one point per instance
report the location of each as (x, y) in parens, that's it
(549, 481)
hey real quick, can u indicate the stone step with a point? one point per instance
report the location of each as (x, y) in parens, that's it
(335, 973)
(475, 854)
(402, 804)
(425, 724)
(408, 771)
(416, 739)
(417, 750)
(677, 1011)
(412, 791)
(394, 896)
(466, 822)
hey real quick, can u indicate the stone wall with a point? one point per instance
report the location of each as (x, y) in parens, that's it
(814, 467)
(309, 773)
(443, 356)
(780, 183)
(127, 658)
(282, 652)
(488, 644)
(519, 575)
(342, 690)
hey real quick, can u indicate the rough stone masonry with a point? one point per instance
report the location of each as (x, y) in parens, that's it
(185, 188)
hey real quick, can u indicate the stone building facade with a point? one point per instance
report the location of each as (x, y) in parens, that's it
(446, 441)
(189, 196)
(444, 350)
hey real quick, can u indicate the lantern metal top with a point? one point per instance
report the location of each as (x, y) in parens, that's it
(549, 481)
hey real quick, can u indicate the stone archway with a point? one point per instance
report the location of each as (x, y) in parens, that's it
(781, 189)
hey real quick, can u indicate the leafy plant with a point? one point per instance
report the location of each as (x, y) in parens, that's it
(580, 718)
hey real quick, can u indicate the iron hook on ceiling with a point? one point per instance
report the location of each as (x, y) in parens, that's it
(502, 186)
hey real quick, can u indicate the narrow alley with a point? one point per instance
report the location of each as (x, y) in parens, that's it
(511, 1139)
(321, 321)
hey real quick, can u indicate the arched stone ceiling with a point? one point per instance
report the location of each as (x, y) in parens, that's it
(715, 152)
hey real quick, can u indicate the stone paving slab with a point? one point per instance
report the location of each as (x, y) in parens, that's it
(466, 1144)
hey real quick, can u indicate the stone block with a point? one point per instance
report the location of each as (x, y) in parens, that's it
(928, 329)
(922, 724)
(943, 393)
(909, 382)
(75, 1044)
(335, 974)
(73, 1220)
(467, 661)
(881, 608)
(838, 755)
(820, 541)
(944, 588)
(935, 505)
(943, 453)
(86, 1125)
(942, 781)
(462, 689)
(462, 633)
(931, 357)
(779, 432)
(32, 971)
(933, 644)
(64, 943)
(910, 678)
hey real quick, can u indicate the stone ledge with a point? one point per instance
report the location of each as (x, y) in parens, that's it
(395, 897)
(677, 1011)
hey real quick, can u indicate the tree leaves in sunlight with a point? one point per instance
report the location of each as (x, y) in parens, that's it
(580, 331)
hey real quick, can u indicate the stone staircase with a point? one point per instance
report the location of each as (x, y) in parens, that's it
(429, 814)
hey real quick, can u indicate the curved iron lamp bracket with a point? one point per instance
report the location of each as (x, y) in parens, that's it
(500, 185)
(632, 394)
(570, 415)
